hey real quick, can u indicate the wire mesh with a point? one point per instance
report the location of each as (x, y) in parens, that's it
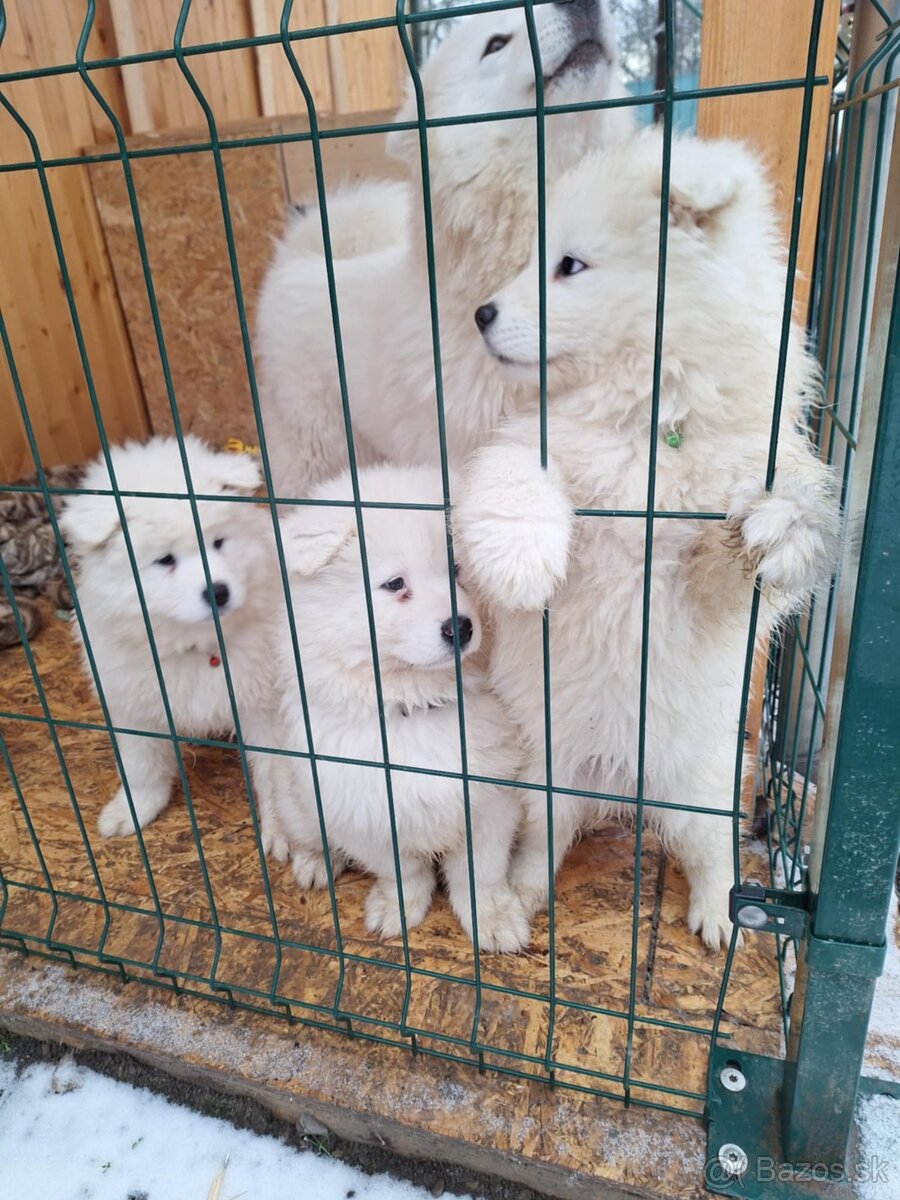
(797, 674)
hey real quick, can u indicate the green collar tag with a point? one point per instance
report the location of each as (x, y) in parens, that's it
(673, 439)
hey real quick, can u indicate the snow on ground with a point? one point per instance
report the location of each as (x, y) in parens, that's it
(883, 1045)
(877, 1171)
(67, 1133)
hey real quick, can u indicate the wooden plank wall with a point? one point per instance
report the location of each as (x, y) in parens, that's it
(754, 43)
(355, 72)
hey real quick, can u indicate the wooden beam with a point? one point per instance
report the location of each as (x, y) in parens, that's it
(753, 43)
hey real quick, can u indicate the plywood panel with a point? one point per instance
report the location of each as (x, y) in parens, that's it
(280, 94)
(184, 231)
(159, 98)
(349, 159)
(180, 208)
(63, 118)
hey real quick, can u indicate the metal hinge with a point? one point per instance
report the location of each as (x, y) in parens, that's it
(768, 910)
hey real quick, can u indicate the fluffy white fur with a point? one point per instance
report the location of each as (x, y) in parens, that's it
(484, 196)
(408, 550)
(237, 539)
(521, 543)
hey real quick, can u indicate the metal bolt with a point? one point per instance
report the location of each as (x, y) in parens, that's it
(751, 916)
(732, 1079)
(733, 1159)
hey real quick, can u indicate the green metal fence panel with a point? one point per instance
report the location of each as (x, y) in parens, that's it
(829, 911)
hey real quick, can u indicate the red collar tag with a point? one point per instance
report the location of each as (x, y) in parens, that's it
(214, 660)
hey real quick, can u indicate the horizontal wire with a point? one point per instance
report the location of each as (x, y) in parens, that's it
(287, 138)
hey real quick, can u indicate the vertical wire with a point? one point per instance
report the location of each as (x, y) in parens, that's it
(668, 114)
(354, 482)
(540, 154)
(29, 825)
(415, 76)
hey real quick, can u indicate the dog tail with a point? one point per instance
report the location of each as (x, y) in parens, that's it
(362, 219)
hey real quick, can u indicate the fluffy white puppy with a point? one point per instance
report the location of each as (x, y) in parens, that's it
(179, 604)
(483, 189)
(406, 552)
(522, 544)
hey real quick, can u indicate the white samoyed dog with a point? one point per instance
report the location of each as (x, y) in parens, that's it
(237, 537)
(416, 643)
(484, 196)
(522, 544)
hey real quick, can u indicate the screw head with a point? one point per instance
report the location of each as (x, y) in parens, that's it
(732, 1079)
(733, 1159)
(751, 916)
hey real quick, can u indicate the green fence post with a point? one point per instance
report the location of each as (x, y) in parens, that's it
(856, 837)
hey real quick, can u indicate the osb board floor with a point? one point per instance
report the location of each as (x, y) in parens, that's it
(676, 979)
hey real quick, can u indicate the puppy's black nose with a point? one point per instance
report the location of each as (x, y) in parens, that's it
(485, 316)
(220, 595)
(464, 625)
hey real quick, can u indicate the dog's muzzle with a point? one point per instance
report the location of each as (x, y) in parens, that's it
(589, 43)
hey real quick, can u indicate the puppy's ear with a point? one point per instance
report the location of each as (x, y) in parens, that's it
(708, 178)
(88, 522)
(313, 537)
(235, 474)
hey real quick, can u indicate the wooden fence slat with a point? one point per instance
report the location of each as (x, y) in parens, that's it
(158, 96)
(280, 94)
(63, 118)
(751, 43)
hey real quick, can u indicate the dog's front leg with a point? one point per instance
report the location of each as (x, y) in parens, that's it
(789, 534)
(383, 901)
(149, 767)
(513, 522)
(503, 925)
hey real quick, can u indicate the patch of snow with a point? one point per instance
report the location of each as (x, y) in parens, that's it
(877, 1174)
(883, 1044)
(99, 1139)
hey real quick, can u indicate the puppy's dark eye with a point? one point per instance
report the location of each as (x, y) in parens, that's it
(395, 585)
(570, 266)
(167, 560)
(218, 543)
(496, 43)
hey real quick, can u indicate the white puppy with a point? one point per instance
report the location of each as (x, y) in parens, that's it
(179, 603)
(483, 189)
(521, 542)
(411, 607)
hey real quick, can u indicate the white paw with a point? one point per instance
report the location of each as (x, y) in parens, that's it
(708, 918)
(275, 844)
(383, 907)
(530, 885)
(308, 867)
(514, 532)
(503, 924)
(115, 819)
(789, 534)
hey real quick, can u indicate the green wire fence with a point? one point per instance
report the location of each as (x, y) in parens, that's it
(832, 679)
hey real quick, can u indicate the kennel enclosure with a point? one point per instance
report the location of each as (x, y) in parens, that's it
(615, 999)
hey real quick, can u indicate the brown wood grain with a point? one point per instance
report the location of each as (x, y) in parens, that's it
(63, 119)
(754, 43)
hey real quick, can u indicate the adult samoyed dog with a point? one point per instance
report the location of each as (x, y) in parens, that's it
(484, 197)
(417, 642)
(522, 545)
(242, 586)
